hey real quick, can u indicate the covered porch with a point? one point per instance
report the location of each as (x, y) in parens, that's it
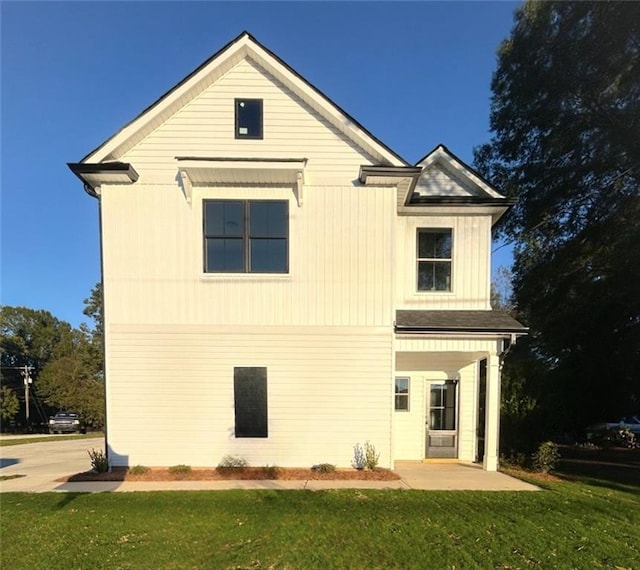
(447, 384)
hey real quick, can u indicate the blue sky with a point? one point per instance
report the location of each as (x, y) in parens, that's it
(415, 74)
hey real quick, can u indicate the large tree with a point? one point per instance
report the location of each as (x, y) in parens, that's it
(565, 118)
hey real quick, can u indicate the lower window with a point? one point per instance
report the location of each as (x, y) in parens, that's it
(402, 394)
(250, 401)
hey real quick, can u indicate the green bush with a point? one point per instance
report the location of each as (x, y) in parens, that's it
(547, 456)
(324, 468)
(138, 470)
(232, 462)
(180, 469)
(371, 457)
(99, 461)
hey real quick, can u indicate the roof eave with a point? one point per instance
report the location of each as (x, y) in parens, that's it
(93, 175)
(519, 331)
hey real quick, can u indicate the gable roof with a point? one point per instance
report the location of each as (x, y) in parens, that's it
(243, 46)
(442, 156)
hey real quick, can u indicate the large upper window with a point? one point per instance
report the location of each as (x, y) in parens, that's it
(246, 236)
(248, 118)
(434, 259)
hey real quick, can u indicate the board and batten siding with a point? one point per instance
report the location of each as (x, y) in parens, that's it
(170, 394)
(340, 260)
(204, 127)
(471, 263)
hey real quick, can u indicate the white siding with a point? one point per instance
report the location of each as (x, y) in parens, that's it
(471, 263)
(205, 128)
(170, 394)
(438, 181)
(340, 260)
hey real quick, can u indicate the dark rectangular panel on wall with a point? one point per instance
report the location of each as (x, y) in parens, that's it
(250, 398)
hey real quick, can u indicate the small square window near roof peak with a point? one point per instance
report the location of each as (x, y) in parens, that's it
(248, 118)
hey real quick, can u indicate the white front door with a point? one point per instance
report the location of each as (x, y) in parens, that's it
(441, 421)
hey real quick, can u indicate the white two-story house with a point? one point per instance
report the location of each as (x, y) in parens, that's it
(280, 285)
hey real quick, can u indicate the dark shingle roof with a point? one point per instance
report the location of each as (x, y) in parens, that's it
(457, 321)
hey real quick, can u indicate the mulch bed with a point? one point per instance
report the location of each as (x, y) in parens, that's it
(226, 474)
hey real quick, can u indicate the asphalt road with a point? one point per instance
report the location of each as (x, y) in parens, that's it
(42, 462)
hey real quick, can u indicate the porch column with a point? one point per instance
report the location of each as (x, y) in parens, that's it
(492, 414)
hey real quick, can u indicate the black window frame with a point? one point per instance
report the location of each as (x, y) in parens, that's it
(436, 260)
(251, 402)
(237, 123)
(246, 238)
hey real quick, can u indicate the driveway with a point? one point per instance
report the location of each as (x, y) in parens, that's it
(45, 461)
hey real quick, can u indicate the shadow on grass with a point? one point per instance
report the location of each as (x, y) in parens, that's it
(621, 473)
(66, 499)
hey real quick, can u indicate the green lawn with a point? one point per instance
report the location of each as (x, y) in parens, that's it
(569, 525)
(26, 440)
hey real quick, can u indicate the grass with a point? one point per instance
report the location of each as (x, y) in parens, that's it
(49, 438)
(568, 525)
(9, 477)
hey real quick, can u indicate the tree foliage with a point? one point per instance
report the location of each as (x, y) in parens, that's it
(565, 118)
(9, 404)
(66, 362)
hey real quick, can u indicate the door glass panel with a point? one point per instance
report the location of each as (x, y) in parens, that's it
(442, 406)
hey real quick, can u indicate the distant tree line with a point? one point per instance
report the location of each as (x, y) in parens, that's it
(64, 363)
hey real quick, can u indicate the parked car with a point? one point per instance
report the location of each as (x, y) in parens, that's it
(632, 423)
(67, 422)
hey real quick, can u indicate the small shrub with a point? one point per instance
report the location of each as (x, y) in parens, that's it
(515, 459)
(271, 471)
(359, 461)
(180, 469)
(324, 468)
(547, 456)
(138, 470)
(233, 462)
(99, 461)
(371, 457)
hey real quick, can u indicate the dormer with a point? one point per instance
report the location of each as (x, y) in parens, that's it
(447, 186)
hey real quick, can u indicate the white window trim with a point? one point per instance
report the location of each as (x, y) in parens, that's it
(436, 293)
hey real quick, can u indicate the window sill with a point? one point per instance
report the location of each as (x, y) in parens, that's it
(423, 293)
(245, 277)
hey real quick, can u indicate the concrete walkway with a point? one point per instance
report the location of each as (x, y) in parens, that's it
(417, 476)
(43, 462)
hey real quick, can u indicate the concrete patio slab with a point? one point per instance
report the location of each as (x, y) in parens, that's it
(456, 476)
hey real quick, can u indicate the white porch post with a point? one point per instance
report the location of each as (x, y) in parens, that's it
(492, 414)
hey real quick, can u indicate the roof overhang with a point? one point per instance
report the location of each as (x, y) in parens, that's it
(494, 323)
(199, 171)
(382, 175)
(95, 175)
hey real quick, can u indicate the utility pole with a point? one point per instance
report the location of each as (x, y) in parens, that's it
(27, 381)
